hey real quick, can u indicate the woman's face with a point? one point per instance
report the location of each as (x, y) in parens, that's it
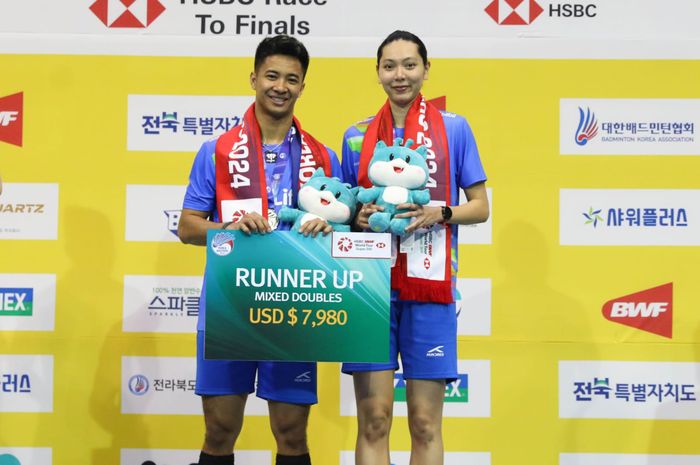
(401, 71)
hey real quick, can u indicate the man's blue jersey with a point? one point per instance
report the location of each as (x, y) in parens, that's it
(201, 193)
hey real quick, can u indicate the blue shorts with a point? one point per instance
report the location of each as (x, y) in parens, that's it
(290, 382)
(425, 334)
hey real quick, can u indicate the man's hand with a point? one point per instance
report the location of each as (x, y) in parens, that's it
(315, 226)
(251, 222)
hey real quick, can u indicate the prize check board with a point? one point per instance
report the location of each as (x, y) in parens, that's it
(284, 296)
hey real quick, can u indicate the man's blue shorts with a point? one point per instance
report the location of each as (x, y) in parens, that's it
(290, 382)
(425, 335)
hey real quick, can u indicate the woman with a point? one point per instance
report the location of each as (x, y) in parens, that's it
(423, 317)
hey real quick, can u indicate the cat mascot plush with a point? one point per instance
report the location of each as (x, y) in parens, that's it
(326, 198)
(398, 175)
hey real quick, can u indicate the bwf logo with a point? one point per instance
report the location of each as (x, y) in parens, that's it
(127, 13)
(650, 310)
(11, 119)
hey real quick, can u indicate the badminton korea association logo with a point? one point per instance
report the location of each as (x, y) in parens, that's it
(136, 14)
(587, 126)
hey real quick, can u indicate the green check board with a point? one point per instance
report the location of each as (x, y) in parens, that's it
(284, 296)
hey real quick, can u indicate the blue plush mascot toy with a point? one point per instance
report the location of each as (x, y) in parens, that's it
(398, 174)
(325, 198)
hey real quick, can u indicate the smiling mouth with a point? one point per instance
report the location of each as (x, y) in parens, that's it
(398, 170)
(325, 202)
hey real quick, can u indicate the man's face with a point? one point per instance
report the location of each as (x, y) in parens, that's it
(401, 71)
(278, 83)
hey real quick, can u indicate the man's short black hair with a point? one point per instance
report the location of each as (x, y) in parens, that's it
(407, 36)
(282, 45)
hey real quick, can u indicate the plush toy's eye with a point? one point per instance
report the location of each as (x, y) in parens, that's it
(323, 187)
(408, 159)
(391, 156)
(337, 195)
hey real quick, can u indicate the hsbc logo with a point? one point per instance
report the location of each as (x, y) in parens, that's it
(127, 13)
(525, 12)
(650, 310)
(514, 12)
(11, 110)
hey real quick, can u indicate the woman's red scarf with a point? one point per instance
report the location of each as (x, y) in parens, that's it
(424, 272)
(241, 185)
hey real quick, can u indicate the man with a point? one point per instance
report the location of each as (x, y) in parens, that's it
(253, 171)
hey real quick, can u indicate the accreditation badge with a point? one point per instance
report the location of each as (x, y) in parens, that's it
(272, 218)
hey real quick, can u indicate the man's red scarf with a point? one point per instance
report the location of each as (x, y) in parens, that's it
(424, 125)
(240, 169)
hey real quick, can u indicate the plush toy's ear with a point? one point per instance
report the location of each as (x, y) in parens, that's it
(423, 151)
(318, 172)
(409, 143)
(380, 145)
(354, 190)
(398, 141)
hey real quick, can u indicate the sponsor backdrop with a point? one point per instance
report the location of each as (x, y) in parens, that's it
(578, 313)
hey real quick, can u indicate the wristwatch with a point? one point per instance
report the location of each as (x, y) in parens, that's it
(446, 214)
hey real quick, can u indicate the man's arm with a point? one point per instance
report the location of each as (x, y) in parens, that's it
(194, 225)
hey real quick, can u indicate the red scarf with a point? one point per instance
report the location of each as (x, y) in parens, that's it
(241, 185)
(425, 273)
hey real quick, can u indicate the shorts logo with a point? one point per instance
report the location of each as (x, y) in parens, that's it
(138, 385)
(127, 13)
(514, 12)
(11, 110)
(222, 244)
(650, 310)
(435, 352)
(305, 377)
(587, 126)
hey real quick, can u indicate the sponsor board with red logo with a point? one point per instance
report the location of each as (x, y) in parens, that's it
(11, 118)
(564, 29)
(650, 310)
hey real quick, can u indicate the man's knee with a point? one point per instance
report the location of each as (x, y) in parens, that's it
(375, 423)
(220, 433)
(290, 434)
